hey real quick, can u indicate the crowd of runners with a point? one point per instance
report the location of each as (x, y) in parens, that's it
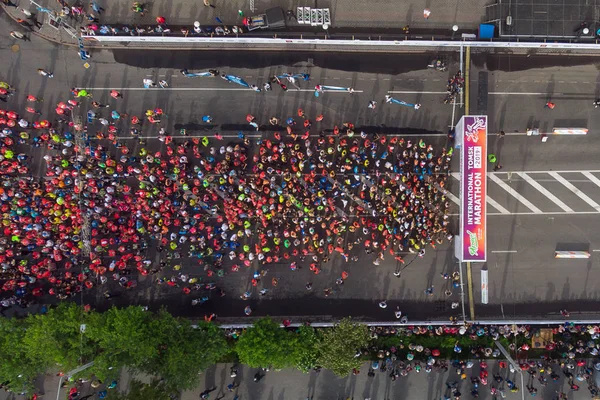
(100, 206)
(454, 87)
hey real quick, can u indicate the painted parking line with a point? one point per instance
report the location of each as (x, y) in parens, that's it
(513, 193)
(545, 192)
(575, 190)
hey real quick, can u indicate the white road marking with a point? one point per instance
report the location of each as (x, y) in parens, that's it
(504, 251)
(591, 177)
(489, 93)
(189, 89)
(545, 192)
(497, 205)
(546, 171)
(452, 197)
(489, 200)
(513, 193)
(211, 135)
(415, 92)
(575, 190)
(527, 213)
(519, 93)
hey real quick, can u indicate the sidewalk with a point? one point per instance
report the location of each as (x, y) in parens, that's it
(375, 16)
(295, 385)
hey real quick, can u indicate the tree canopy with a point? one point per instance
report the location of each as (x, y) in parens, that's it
(266, 344)
(184, 351)
(176, 352)
(337, 350)
(307, 351)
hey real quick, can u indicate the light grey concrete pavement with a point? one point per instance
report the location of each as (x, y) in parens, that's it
(295, 385)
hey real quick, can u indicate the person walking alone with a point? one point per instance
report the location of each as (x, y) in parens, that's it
(206, 393)
(45, 73)
(18, 35)
(207, 3)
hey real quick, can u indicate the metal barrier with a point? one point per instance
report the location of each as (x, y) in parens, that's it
(571, 254)
(357, 43)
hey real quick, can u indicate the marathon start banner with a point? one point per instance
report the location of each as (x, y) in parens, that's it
(472, 139)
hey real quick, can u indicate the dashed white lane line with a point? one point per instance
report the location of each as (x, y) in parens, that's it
(575, 190)
(545, 192)
(513, 193)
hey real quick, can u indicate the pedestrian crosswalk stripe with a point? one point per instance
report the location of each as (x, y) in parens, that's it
(575, 190)
(497, 205)
(545, 192)
(489, 200)
(452, 197)
(591, 177)
(513, 193)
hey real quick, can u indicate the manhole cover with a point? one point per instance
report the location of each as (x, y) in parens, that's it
(15, 48)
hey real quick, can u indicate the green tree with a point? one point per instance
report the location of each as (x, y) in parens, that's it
(266, 344)
(126, 338)
(184, 351)
(155, 390)
(307, 353)
(16, 367)
(55, 339)
(338, 348)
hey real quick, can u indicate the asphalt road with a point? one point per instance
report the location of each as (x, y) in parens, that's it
(525, 279)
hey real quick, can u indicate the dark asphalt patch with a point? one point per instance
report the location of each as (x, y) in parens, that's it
(482, 93)
(504, 62)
